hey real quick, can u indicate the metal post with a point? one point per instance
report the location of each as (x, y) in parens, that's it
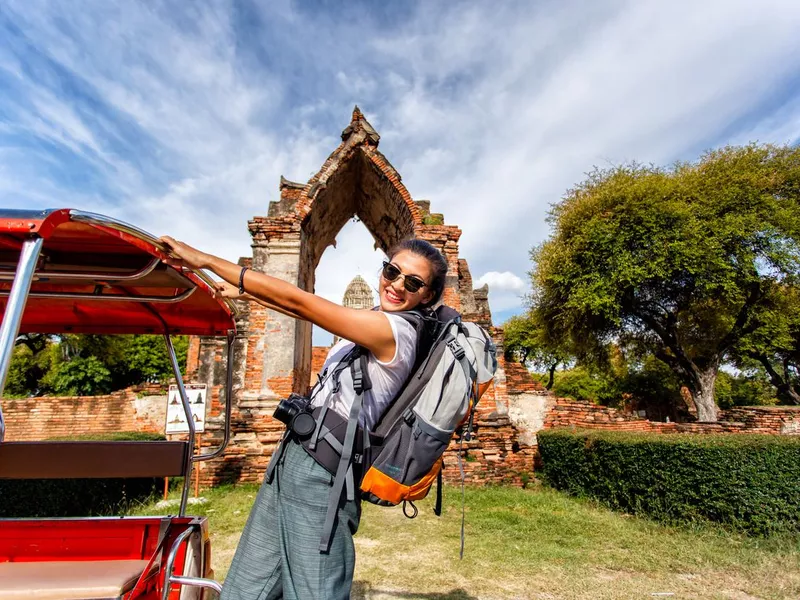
(14, 309)
(228, 404)
(187, 475)
(169, 568)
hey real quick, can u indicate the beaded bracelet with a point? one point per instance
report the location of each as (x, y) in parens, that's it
(241, 280)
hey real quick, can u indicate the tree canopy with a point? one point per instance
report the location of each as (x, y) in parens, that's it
(774, 348)
(85, 365)
(688, 262)
(528, 342)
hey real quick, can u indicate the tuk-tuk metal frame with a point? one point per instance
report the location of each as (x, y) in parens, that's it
(20, 292)
(17, 298)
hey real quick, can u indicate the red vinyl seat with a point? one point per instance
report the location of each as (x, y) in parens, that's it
(69, 580)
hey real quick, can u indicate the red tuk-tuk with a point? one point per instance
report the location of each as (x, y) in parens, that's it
(71, 271)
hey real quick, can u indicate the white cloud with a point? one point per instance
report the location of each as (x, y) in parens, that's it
(558, 93)
(353, 255)
(506, 290)
(490, 110)
(505, 281)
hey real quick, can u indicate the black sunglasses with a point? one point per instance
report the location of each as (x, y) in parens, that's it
(412, 283)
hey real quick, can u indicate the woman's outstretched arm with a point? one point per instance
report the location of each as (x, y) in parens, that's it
(370, 329)
(226, 290)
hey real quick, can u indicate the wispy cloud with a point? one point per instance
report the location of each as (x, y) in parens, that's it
(182, 116)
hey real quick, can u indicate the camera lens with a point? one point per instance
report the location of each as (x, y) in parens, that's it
(303, 424)
(285, 412)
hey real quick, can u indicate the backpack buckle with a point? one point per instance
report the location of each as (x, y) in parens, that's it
(456, 349)
(358, 382)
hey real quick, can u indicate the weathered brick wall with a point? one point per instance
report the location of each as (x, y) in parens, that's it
(774, 420)
(494, 455)
(783, 420)
(445, 239)
(135, 409)
(318, 356)
(254, 435)
(518, 379)
(502, 451)
(571, 413)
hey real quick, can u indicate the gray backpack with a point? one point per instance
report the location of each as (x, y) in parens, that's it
(437, 401)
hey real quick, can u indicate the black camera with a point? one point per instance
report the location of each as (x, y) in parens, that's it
(295, 412)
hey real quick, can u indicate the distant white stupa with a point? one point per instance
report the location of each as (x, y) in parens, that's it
(358, 295)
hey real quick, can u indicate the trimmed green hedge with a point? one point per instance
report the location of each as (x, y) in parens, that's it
(32, 498)
(748, 482)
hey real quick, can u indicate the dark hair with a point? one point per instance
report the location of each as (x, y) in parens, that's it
(436, 260)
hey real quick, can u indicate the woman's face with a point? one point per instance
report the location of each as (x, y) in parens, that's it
(393, 294)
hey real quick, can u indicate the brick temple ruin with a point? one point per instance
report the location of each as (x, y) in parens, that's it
(274, 352)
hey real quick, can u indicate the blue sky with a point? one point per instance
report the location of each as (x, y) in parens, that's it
(181, 116)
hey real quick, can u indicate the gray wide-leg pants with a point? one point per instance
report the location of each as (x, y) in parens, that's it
(278, 555)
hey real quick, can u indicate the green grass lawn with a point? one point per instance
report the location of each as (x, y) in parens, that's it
(536, 544)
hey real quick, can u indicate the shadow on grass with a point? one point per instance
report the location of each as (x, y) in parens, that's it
(362, 590)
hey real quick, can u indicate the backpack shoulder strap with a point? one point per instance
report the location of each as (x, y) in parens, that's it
(361, 384)
(335, 373)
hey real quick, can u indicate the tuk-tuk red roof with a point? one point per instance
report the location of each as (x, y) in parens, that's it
(99, 275)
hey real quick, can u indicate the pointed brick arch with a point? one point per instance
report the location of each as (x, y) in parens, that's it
(357, 179)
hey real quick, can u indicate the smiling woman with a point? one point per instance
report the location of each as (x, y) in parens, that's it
(279, 550)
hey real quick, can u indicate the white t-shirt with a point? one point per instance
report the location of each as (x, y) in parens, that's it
(387, 377)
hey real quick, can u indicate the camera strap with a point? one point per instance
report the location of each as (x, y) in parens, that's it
(276, 457)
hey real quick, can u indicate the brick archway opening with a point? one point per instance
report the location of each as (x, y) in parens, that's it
(358, 188)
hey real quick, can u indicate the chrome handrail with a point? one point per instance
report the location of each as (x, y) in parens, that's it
(113, 297)
(169, 567)
(18, 296)
(197, 582)
(187, 411)
(228, 405)
(103, 221)
(98, 276)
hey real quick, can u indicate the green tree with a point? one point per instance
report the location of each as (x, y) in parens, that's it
(34, 357)
(684, 260)
(581, 383)
(22, 378)
(527, 341)
(147, 359)
(774, 348)
(89, 364)
(744, 389)
(82, 376)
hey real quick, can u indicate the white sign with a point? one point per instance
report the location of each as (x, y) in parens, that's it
(176, 417)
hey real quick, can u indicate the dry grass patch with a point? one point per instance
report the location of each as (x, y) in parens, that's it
(538, 544)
